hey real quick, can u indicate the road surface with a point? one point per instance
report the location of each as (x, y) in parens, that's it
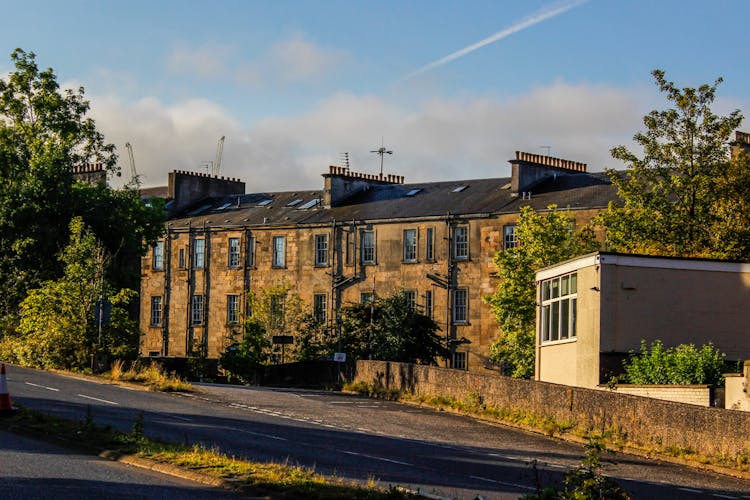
(353, 437)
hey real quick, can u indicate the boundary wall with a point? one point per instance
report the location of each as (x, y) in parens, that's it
(640, 421)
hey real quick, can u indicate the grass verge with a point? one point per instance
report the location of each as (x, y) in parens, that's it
(270, 480)
(152, 375)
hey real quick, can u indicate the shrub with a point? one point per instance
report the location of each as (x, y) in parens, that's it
(681, 365)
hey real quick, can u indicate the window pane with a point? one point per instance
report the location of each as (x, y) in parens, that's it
(564, 282)
(199, 253)
(545, 290)
(410, 245)
(368, 247)
(555, 322)
(234, 252)
(555, 288)
(279, 251)
(321, 249)
(430, 252)
(461, 246)
(573, 316)
(250, 252)
(574, 283)
(545, 323)
(564, 318)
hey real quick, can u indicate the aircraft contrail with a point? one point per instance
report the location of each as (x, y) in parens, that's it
(542, 15)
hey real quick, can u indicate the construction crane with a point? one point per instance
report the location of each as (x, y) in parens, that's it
(219, 152)
(133, 174)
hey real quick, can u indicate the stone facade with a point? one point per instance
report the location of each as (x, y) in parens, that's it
(456, 229)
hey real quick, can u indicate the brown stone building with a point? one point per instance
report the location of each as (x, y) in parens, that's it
(358, 235)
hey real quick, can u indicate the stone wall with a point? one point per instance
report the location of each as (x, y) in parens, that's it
(645, 422)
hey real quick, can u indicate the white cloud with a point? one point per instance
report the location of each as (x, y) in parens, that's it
(207, 61)
(440, 139)
(296, 59)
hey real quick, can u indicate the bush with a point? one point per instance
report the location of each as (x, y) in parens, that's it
(681, 365)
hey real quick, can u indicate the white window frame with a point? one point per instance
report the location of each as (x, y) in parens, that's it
(233, 246)
(411, 296)
(460, 305)
(196, 310)
(233, 309)
(199, 253)
(461, 243)
(367, 247)
(157, 256)
(558, 312)
(156, 310)
(279, 252)
(321, 250)
(410, 245)
(510, 236)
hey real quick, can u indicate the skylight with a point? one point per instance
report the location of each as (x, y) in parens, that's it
(225, 205)
(309, 204)
(413, 192)
(294, 202)
(199, 210)
(459, 188)
(264, 203)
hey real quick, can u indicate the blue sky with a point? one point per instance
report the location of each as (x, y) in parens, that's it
(292, 84)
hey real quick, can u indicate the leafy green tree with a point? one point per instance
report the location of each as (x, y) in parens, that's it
(57, 328)
(685, 364)
(246, 352)
(545, 239)
(313, 341)
(44, 133)
(671, 193)
(391, 329)
(730, 236)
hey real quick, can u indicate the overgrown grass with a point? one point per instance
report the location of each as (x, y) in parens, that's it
(153, 375)
(272, 480)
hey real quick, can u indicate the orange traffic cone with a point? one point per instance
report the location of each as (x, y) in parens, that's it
(5, 405)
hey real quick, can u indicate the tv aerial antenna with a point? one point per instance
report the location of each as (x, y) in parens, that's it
(382, 151)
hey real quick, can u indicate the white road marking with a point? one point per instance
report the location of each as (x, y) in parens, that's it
(378, 458)
(722, 496)
(690, 490)
(43, 387)
(269, 436)
(514, 485)
(343, 402)
(97, 399)
(168, 415)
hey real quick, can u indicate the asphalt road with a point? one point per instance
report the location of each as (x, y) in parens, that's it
(32, 469)
(358, 438)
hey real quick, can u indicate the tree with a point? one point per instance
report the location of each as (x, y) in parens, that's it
(246, 353)
(671, 194)
(545, 239)
(391, 329)
(44, 134)
(684, 364)
(57, 328)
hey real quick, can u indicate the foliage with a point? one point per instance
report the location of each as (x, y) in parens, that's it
(684, 364)
(313, 340)
(546, 238)
(672, 194)
(730, 235)
(245, 353)
(56, 327)
(586, 481)
(153, 375)
(44, 134)
(390, 329)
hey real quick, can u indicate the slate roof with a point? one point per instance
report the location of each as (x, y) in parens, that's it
(390, 201)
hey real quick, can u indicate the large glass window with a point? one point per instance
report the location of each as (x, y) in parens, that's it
(319, 307)
(410, 245)
(321, 249)
(279, 251)
(461, 242)
(199, 253)
(196, 310)
(460, 305)
(411, 298)
(157, 259)
(368, 247)
(233, 309)
(559, 308)
(156, 310)
(234, 252)
(510, 240)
